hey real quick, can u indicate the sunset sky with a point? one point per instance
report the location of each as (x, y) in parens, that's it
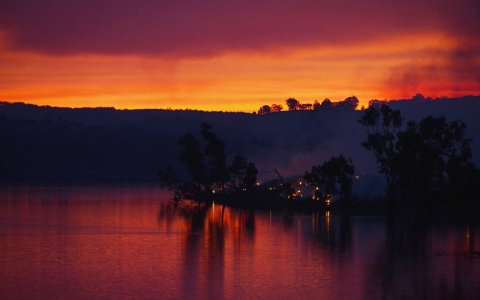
(235, 55)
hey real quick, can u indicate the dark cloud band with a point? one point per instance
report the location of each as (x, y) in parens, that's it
(185, 28)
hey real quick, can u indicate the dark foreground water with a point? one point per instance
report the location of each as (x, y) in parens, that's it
(128, 243)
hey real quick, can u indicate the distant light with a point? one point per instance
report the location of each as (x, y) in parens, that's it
(357, 177)
(213, 191)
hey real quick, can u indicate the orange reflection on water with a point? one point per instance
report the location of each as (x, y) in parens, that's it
(133, 243)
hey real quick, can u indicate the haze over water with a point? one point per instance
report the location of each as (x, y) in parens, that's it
(119, 242)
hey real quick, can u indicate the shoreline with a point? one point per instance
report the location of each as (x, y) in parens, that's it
(378, 208)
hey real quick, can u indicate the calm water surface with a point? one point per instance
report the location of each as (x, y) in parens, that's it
(127, 242)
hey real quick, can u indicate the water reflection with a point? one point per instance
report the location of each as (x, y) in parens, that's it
(205, 230)
(413, 263)
(332, 233)
(387, 257)
(131, 242)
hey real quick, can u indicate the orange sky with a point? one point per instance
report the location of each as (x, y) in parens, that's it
(228, 76)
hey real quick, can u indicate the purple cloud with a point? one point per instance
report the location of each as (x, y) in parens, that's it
(183, 28)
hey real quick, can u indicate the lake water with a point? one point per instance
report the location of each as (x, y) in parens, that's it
(127, 242)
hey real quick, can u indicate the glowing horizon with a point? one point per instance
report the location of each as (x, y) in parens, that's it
(240, 66)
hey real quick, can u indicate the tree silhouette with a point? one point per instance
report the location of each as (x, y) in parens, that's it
(430, 159)
(292, 103)
(169, 179)
(349, 103)
(276, 108)
(327, 105)
(207, 169)
(381, 128)
(332, 178)
(306, 106)
(377, 103)
(433, 157)
(418, 97)
(264, 110)
(192, 157)
(215, 153)
(243, 175)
